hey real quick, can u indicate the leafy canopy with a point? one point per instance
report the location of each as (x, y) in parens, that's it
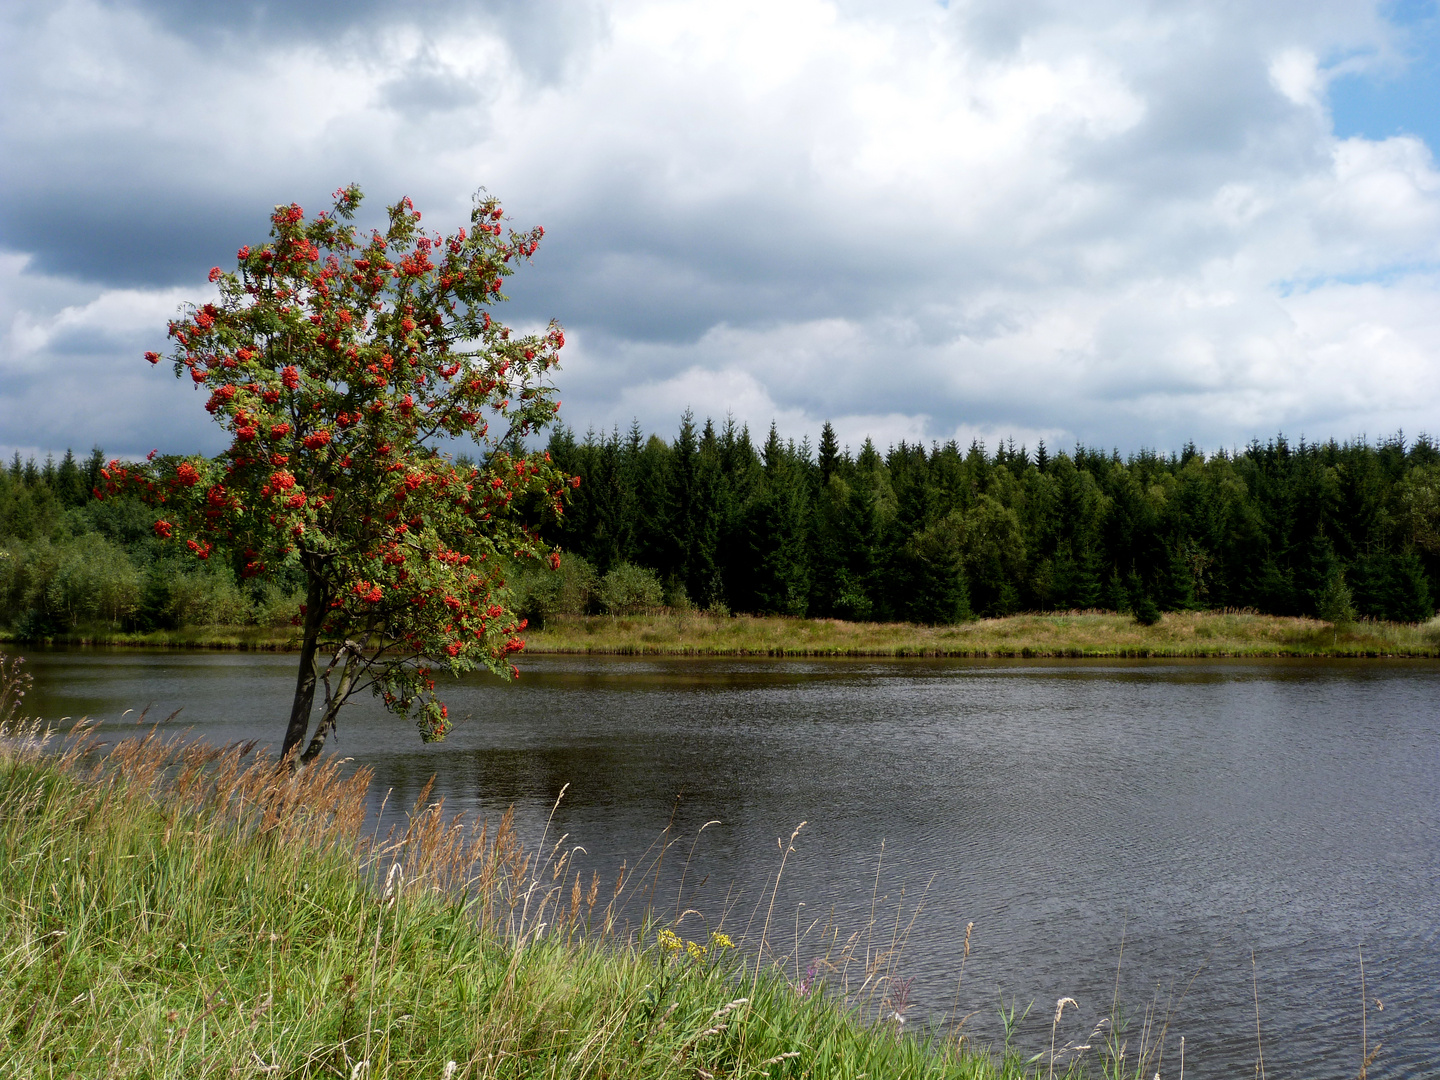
(338, 363)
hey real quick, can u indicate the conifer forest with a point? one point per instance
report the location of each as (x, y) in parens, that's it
(937, 534)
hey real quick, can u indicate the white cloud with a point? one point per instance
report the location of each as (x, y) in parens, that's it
(1129, 225)
(115, 319)
(72, 371)
(1296, 74)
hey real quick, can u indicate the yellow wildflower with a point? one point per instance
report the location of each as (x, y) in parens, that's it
(720, 941)
(668, 940)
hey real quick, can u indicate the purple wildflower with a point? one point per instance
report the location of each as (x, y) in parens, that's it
(898, 999)
(806, 983)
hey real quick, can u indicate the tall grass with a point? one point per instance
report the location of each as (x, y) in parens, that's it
(1049, 634)
(172, 909)
(1095, 634)
(242, 638)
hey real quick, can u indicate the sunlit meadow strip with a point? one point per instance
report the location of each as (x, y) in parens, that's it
(1072, 634)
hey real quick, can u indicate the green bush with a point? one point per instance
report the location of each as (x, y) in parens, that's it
(275, 607)
(630, 590)
(208, 596)
(90, 581)
(1336, 604)
(538, 592)
(1147, 612)
(50, 587)
(675, 596)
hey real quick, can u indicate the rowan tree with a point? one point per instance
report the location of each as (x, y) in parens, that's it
(340, 364)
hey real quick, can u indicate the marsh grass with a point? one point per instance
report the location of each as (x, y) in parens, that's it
(1055, 634)
(170, 909)
(1100, 634)
(242, 638)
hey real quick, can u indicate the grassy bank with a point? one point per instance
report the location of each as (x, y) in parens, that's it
(1071, 634)
(185, 911)
(1061, 634)
(262, 638)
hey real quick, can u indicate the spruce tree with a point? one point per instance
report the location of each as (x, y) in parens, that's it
(829, 453)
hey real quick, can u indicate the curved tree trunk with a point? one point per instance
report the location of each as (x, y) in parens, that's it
(317, 602)
(333, 701)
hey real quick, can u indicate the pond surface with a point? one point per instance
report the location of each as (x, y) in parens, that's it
(1163, 820)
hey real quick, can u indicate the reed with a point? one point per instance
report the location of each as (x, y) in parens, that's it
(240, 638)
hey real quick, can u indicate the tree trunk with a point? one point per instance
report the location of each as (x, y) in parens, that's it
(332, 708)
(317, 741)
(317, 602)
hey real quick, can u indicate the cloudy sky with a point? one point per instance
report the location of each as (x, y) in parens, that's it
(1132, 224)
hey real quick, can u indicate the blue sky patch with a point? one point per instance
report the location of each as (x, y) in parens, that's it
(1398, 100)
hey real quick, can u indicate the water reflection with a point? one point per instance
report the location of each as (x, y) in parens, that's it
(1196, 810)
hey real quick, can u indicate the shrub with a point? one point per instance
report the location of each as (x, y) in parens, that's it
(675, 596)
(1335, 604)
(1147, 612)
(47, 588)
(629, 590)
(208, 597)
(275, 607)
(537, 592)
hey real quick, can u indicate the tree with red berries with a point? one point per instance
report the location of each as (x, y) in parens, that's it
(340, 364)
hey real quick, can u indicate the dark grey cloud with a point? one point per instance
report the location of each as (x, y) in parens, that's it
(141, 198)
(73, 406)
(543, 35)
(316, 19)
(422, 90)
(136, 236)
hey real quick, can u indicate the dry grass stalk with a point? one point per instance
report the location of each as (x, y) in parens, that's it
(1259, 1046)
(1059, 1012)
(1367, 1055)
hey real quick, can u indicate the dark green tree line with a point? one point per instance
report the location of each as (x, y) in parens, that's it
(928, 534)
(941, 534)
(70, 561)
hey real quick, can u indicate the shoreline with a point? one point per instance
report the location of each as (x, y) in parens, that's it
(218, 914)
(1056, 635)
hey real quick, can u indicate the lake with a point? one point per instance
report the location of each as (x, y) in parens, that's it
(1149, 825)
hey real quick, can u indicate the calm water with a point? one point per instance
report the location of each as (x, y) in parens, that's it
(1197, 810)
